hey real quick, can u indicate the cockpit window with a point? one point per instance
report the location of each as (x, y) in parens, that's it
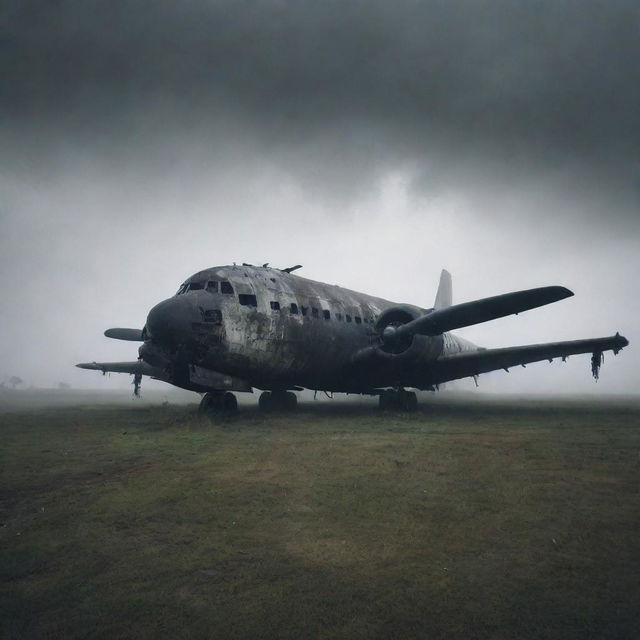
(212, 286)
(182, 289)
(195, 286)
(225, 287)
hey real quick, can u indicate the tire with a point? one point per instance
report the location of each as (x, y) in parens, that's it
(229, 402)
(290, 401)
(211, 404)
(388, 399)
(207, 404)
(264, 402)
(410, 401)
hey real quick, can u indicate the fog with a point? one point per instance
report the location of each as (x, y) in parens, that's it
(374, 143)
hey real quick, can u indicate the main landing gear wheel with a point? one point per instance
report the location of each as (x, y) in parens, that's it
(410, 401)
(264, 401)
(400, 399)
(278, 401)
(388, 399)
(214, 402)
(229, 402)
(290, 401)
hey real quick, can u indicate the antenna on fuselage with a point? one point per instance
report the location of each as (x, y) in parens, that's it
(291, 269)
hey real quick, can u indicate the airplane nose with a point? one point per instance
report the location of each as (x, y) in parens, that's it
(170, 320)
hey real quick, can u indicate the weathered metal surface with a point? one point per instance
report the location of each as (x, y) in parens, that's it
(208, 379)
(309, 344)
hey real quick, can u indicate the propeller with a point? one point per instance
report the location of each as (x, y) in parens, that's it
(133, 335)
(469, 313)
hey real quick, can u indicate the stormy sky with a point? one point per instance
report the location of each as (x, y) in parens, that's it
(372, 142)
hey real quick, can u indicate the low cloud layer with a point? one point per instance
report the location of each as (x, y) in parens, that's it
(456, 90)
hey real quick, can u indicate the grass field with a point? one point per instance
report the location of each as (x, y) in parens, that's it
(477, 517)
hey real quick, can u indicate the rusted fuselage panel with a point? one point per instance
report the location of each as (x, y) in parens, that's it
(276, 329)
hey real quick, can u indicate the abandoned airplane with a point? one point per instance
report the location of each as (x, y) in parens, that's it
(232, 328)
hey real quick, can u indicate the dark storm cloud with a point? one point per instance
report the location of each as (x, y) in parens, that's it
(464, 92)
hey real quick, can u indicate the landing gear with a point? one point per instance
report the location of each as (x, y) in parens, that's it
(215, 402)
(400, 399)
(409, 401)
(229, 402)
(278, 401)
(264, 401)
(388, 399)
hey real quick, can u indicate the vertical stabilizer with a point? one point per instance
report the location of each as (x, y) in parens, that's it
(444, 297)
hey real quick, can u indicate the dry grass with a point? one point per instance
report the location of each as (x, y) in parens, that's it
(475, 518)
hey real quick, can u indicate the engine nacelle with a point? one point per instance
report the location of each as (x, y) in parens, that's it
(400, 314)
(416, 347)
(395, 317)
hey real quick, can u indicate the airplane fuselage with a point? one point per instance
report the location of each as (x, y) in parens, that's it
(276, 330)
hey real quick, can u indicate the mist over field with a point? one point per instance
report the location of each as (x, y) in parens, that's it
(374, 143)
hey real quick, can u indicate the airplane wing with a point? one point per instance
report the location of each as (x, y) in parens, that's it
(137, 367)
(468, 364)
(194, 378)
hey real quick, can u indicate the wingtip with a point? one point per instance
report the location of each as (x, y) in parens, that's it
(120, 333)
(622, 342)
(558, 292)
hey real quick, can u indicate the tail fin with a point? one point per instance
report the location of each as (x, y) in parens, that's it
(444, 297)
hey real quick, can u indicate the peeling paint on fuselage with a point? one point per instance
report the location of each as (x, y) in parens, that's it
(299, 333)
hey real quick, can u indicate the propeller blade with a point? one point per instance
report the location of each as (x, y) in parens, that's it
(476, 311)
(134, 335)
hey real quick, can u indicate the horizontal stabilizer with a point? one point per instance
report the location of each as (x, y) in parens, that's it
(470, 313)
(134, 335)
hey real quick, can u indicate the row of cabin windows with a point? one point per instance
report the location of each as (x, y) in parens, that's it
(326, 314)
(250, 300)
(215, 316)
